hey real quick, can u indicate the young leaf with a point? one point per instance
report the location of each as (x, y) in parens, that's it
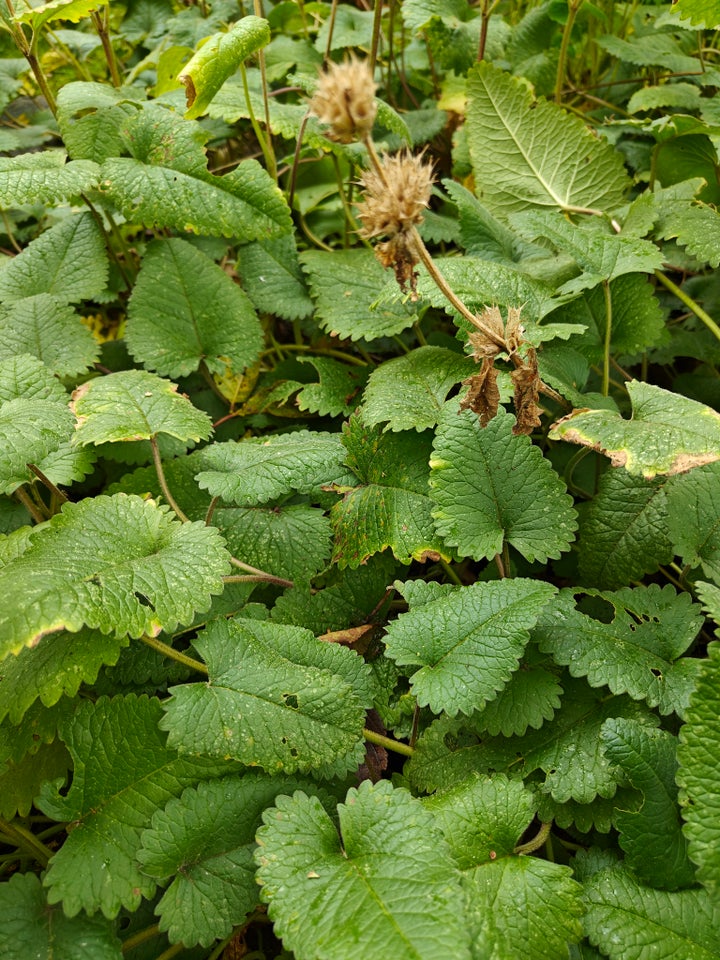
(655, 848)
(386, 886)
(276, 698)
(541, 156)
(218, 58)
(468, 641)
(206, 838)
(73, 10)
(490, 487)
(68, 261)
(45, 327)
(408, 392)
(337, 392)
(698, 773)
(32, 928)
(44, 178)
(123, 773)
(186, 311)
(117, 564)
(629, 921)
(634, 653)
(668, 433)
(135, 405)
(693, 519)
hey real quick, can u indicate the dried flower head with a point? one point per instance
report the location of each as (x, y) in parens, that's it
(395, 197)
(345, 98)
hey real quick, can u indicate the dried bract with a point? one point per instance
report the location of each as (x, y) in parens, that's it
(395, 197)
(345, 99)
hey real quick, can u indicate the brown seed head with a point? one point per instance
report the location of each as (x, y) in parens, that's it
(345, 98)
(394, 201)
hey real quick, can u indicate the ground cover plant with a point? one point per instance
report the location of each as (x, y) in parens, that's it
(359, 480)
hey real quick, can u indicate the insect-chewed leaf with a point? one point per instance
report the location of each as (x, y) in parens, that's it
(668, 433)
(44, 177)
(469, 641)
(386, 887)
(276, 698)
(118, 564)
(135, 405)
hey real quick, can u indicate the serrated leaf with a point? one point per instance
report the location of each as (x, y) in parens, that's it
(276, 698)
(696, 227)
(27, 377)
(655, 848)
(678, 96)
(218, 58)
(22, 781)
(32, 928)
(72, 10)
(29, 431)
(387, 885)
(698, 773)
(541, 157)
(186, 311)
(252, 472)
(68, 261)
(598, 815)
(206, 838)
(408, 392)
(44, 178)
(337, 392)
(635, 652)
(693, 520)
(45, 327)
(628, 921)
(123, 773)
(345, 285)
(135, 405)
(116, 564)
(92, 116)
(700, 12)
(468, 641)
(667, 433)
(271, 275)
(490, 487)
(529, 698)
(624, 530)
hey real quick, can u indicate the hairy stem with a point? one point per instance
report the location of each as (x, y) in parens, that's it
(537, 841)
(608, 337)
(157, 460)
(689, 303)
(142, 936)
(167, 651)
(573, 7)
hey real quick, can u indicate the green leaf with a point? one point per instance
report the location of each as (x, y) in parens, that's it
(68, 261)
(22, 781)
(468, 641)
(44, 178)
(540, 156)
(218, 58)
(135, 405)
(693, 519)
(696, 227)
(490, 487)
(624, 530)
(636, 652)
(520, 907)
(92, 116)
(276, 698)
(123, 773)
(30, 430)
(28, 377)
(252, 471)
(655, 848)
(116, 564)
(337, 392)
(206, 838)
(482, 817)
(72, 10)
(186, 311)
(701, 12)
(46, 327)
(668, 433)
(529, 698)
(345, 285)
(271, 275)
(628, 921)
(408, 392)
(45, 932)
(698, 773)
(386, 886)
(678, 96)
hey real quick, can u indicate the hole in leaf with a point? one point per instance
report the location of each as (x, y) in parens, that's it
(290, 700)
(656, 673)
(143, 600)
(293, 752)
(597, 607)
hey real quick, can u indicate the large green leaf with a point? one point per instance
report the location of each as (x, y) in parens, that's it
(698, 774)
(490, 487)
(701, 12)
(117, 564)
(186, 311)
(468, 641)
(667, 433)
(46, 327)
(693, 519)
(529, 153)
(635, 652)
(91, 117)
(44, 178)
(695, 226)
(271, 275)
(276, 698)
(72, 10)
(218, 58)
(30, 430)
(529, 698)
(629, 921)
(135, 405)
(123, 773)
(386, 887)
(32, 928)
(21, 781)
(655, 848)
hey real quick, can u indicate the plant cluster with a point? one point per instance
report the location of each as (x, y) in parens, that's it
(359, 480)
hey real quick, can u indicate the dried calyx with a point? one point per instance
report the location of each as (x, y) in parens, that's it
(345, 99)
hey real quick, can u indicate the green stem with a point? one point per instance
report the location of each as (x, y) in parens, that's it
(167, 651)
(157, 460)
(25, 840)
(307, 348)
(101, 22)
(573, 7)
(270, 154)
(375, 43)
(266, 150)
(172, 951)
(689, 303)
(608, 337)
(142, 936)
(331, 30)
(537, 841)
(380, 741)
(48, 483)
(261, 573)
(450, 573)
